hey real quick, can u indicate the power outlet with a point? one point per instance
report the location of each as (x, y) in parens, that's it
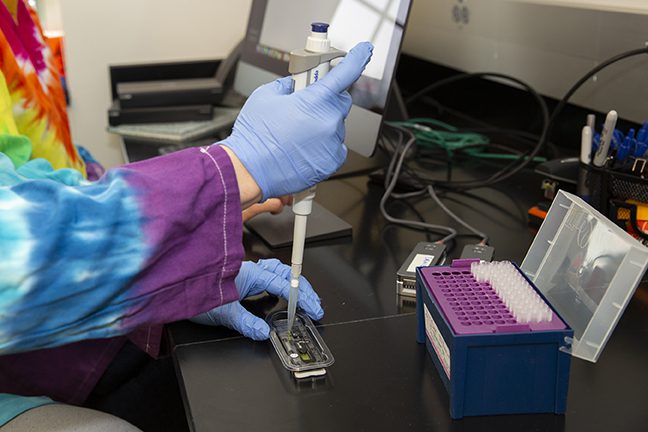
(461, 13)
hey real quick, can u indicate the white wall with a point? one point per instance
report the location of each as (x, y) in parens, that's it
(49, 12)
(548, 46)
(629, 6)
(99, 33)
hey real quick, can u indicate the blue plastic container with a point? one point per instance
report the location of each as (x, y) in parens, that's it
(511, 371)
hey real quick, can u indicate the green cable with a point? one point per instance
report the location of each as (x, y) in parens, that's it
(447, 138)
(431, 133)
(503, 156)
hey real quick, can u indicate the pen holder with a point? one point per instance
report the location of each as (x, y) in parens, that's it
(609, 190)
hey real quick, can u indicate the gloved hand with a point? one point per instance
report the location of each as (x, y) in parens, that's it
(292, 141)
(254, 278)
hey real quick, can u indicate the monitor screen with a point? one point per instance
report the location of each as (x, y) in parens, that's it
(277, 27)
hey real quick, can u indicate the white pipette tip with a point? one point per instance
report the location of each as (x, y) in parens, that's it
(293, 296)
(514, 291)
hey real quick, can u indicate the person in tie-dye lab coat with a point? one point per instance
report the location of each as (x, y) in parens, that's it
(87, 265)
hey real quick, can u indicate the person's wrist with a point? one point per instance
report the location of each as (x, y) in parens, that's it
(248, 188)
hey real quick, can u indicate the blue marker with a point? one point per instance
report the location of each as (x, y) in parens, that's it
(596, 141)
(641, 145)
(617, 139)
(625, 147)
(643, 133)
(640, 149)
(631, 134)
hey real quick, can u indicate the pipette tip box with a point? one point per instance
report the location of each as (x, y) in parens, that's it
(489, 362)
(496, 354)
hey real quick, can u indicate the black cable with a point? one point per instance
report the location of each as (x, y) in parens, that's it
(399, 101)
(485, 126)
(425, 180)
(585, 78)
(551, 149)
(547, 131)
(396, 165)
(461, 77)
(547, 121)
(522, 161)
(496, 146)
(423, 154)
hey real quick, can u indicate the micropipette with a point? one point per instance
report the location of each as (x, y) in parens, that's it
(306, 66)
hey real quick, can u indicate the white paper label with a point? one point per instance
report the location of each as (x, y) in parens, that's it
(420, 260)
(437, 341)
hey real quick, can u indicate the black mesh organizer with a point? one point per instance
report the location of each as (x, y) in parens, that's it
(609, 190)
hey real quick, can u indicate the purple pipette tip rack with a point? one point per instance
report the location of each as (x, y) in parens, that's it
(475, 308)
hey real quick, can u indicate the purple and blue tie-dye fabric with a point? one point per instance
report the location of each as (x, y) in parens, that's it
(85, 263)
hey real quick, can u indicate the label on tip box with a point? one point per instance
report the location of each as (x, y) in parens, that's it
(437, 341)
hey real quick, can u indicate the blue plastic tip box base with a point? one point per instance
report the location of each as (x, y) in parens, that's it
(494, 373)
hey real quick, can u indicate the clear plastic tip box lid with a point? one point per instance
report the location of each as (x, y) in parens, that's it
(588, 268)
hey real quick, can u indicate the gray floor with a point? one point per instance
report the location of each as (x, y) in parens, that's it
(65, 418)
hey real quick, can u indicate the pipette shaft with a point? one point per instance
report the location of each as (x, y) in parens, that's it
(302, 206)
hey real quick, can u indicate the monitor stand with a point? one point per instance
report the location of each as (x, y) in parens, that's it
(277, 230)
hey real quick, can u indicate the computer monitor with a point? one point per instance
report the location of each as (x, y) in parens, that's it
(276, 27)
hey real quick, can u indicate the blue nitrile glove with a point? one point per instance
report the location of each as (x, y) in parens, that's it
(292, 141)
(255, 278)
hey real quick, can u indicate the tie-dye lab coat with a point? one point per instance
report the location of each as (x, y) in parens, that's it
(84, 266)
(89, 264)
